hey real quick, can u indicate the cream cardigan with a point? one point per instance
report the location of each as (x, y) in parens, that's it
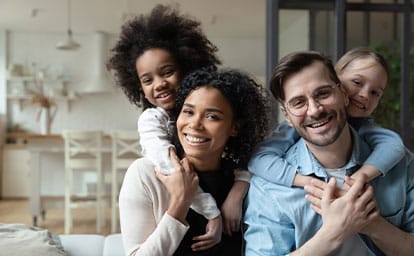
(143, 201)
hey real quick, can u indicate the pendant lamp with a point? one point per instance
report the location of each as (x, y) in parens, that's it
(68, 43)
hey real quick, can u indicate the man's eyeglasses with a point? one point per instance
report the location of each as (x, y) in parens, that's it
(324, 95)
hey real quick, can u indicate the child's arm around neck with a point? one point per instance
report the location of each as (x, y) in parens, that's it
(387, 148)
(267, 160)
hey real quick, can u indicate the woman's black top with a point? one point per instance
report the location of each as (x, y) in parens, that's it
(218, 184)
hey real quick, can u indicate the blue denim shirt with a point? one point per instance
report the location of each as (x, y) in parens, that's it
(280, 219)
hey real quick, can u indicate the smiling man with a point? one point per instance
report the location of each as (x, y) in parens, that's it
(362, 220)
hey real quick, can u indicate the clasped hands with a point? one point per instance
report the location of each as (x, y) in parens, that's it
(345, 211)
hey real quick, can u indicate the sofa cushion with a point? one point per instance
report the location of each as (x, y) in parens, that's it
(91, 245)
(113, 246)
(83, 245)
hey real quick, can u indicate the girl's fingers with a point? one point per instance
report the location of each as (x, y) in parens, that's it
(202, 245)
(366, 196)
(202, 237)
(318, 183)
(227, 227)
(160, 176)
(356, 189)
(349, 181)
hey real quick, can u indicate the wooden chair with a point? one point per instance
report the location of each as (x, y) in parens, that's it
(125, 149)
(83, 153)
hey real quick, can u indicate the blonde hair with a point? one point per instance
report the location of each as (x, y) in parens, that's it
(360, 53)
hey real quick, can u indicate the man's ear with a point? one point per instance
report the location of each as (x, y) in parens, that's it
(286, 115)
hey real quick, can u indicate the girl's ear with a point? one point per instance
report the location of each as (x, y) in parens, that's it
(235, 129)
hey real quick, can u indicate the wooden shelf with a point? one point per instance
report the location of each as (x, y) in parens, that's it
(28, 82)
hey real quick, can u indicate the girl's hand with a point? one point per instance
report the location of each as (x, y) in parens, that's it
(214, 228)
(231, 209)
(301, 180)
(232, 212)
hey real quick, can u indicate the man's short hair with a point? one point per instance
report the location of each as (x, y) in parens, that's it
(293, 63)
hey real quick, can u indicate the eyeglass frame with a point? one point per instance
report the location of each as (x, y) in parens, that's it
(318, 101)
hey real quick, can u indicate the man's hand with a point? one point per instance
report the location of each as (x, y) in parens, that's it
(214, 228)
(349, 210)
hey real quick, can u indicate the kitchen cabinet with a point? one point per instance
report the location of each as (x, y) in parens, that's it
(15, 176)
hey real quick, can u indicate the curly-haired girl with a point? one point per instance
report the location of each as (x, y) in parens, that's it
(154, 52)
(220, 120)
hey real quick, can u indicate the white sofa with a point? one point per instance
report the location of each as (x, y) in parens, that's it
(20, 239)
(92, 245)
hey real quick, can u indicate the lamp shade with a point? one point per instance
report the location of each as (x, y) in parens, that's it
(68, 44)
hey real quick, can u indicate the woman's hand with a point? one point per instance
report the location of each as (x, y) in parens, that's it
(214, 228)
(182, 185)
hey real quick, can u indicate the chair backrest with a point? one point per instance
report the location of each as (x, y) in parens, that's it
(82, 149)
(125, 148)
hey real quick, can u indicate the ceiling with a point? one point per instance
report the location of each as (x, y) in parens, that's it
(219, 18)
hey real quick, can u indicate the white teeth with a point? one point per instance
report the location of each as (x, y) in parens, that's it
(319, 124)
(195, 139)
(163, 95)
(358, 104)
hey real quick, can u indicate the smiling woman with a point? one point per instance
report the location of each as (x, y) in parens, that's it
(216, 111)
(204, 125)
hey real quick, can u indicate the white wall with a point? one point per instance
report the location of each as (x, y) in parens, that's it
(247, 54)
(101, 110)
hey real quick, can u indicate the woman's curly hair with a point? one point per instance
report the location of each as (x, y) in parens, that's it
(247, 100)
(163, 28)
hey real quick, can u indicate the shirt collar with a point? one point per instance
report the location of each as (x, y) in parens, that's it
(309, 165)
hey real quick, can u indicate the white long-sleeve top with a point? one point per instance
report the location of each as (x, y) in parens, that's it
(155, 134)
(143, 202)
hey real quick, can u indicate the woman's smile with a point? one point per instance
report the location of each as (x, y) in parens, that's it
(196, 140)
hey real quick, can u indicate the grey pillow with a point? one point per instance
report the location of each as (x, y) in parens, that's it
(21, 239)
